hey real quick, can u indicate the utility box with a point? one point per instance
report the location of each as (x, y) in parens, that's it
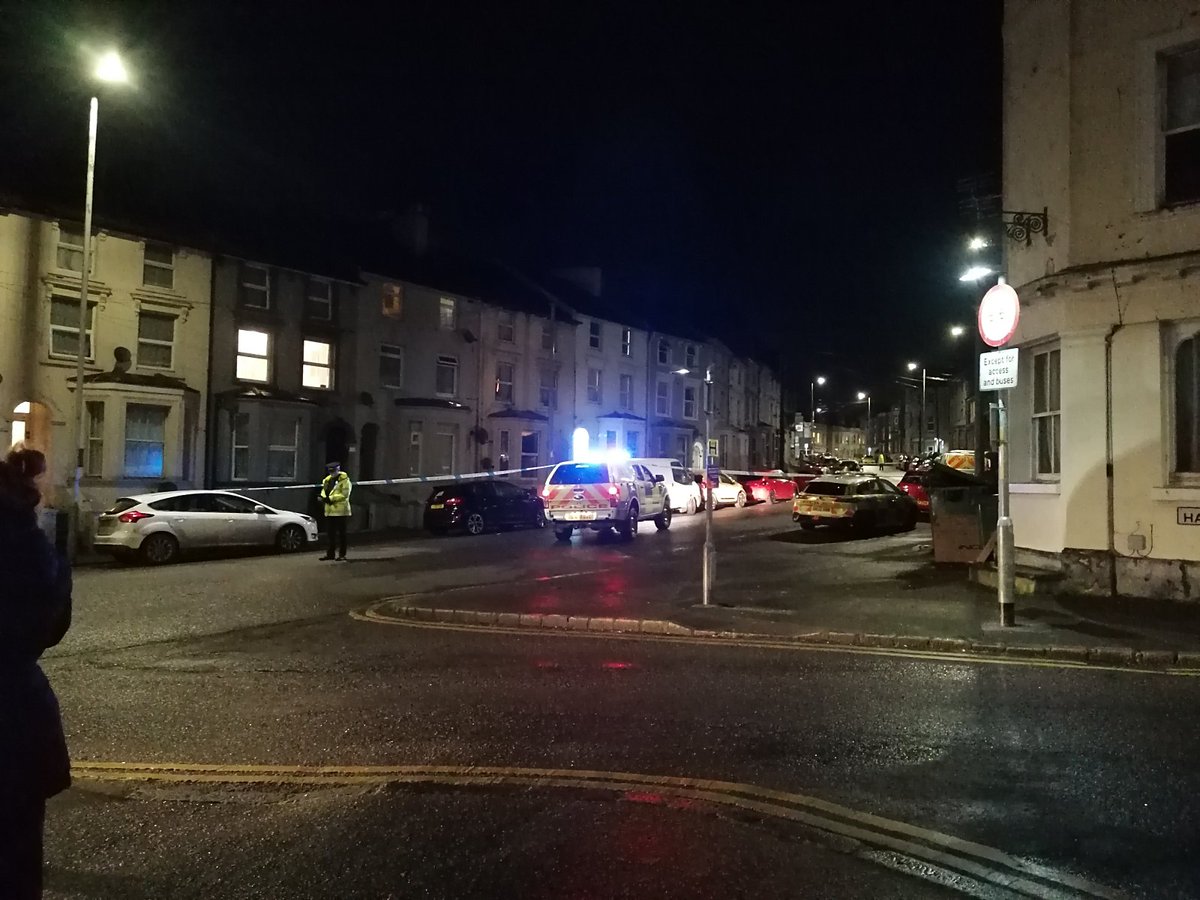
(962, 520)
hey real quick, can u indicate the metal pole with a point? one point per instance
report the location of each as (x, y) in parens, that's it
(710, 554)
(77, 424)
(1004, 524)
(921, 430)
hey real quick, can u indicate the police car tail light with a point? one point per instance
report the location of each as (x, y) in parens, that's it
(546, 492)
(614, 494)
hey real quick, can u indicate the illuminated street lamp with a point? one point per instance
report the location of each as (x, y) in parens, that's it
(111, 70)
(912, 367)
(957, 331)
(977, 243)
(975, 273)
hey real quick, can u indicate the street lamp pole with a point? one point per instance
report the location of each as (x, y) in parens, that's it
(77, 422)
(710, 550)
(812, 401)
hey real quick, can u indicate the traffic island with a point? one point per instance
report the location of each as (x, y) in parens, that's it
(1111, 657)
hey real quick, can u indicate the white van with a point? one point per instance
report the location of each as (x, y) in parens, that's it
(682, 488)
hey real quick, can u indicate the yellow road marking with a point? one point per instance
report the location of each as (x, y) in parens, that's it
(372, 617)
(976, 860)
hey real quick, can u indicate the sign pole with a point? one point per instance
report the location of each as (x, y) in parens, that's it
(710, 463)
(1006, 570)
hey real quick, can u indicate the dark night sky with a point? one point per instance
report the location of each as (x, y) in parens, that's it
(785, 172)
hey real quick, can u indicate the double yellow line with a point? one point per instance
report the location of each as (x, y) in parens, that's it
(991, 872)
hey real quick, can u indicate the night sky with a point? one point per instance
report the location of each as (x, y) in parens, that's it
(777, 174)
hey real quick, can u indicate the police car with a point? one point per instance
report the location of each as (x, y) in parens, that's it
(601, 495)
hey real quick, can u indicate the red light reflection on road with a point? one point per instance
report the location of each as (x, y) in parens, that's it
(617, 665)
(546, 664)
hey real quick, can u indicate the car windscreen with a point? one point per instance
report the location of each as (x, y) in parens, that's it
(580, 473)
(120, 506)
(826, 488)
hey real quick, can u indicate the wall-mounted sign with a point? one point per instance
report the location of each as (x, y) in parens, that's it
(999, 312)
(1187, 515)
(998, 370)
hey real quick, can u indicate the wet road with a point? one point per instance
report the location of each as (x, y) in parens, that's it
(254, 661)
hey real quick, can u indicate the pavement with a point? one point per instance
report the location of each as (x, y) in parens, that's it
(239, 729)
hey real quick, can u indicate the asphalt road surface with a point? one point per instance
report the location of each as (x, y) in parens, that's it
(238, 734)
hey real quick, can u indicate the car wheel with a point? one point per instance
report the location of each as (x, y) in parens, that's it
(290, 539)
(771, 496)
(691, 506)
(663, 520)
(539, 520)
(563, 533)
(628, 528)
(795, 517)
(159, 549)
(475, 523)
(741, 500)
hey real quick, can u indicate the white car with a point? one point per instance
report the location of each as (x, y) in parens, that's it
(681, 485)
(158, 527)
(728, 491)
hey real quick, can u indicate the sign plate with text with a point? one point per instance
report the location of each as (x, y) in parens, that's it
(998, 370)
(1187, 515)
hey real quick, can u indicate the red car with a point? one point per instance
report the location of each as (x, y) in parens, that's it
(771, 487)
(915, 484)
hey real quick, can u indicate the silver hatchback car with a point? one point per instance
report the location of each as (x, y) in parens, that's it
(158, 527)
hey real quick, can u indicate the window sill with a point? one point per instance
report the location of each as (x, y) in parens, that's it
(1036, 487)
(1172, 494)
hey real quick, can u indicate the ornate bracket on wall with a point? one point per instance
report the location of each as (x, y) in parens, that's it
(1022, 226)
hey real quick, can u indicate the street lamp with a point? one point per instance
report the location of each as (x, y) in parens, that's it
(977, 243)
(975, 273)
(912, 367)
(957, 331)
(812, 403)
(111, 70)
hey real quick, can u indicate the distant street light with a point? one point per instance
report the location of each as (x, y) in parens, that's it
(957, 331)
(977, 243)
(912, 367)
(110, 69)
(682, 371)
(975, 273)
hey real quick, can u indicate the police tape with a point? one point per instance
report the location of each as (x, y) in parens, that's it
(474, 476)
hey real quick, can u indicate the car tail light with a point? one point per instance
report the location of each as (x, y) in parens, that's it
(134, 516)
(614, 494)
(546, 492)
(454, 501)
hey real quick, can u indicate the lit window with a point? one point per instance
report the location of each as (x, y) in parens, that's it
(594, 330)
(70, 247)
(156, 340)
(94, 461)
(594, 394)
(504, 382)
(158, 266)
(548, 389)
(145, 440)
(282, 446)
(253, 356)
(256, 286)
(239, 460)
(664, 352)
(1047, 421)
(447, 313)
(626, 342)
(506, 328)
(446, 377)
(626, 392)
(318, 300)
(317, 371)
(502, 445)
(662, 399)
(64, 327)
(391, 366)
(1181, 127)
(689, 402)
(393, 300)
(689, 356)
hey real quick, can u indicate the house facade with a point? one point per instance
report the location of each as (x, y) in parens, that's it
(1102, 117)
(146, 358)
(674, 382)
(610, 381)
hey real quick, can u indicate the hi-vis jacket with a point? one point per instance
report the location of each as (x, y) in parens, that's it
(335, 492)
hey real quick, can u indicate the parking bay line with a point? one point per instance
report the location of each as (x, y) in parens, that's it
(368, 616)
(987, 865)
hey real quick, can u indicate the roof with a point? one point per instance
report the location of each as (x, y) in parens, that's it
(265, 393)
(617, 414)
(519, 414)
(431, 403)
(137, 379)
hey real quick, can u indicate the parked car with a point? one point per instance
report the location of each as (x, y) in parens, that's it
(864, 502)
(728, 491)
(158, 527)
(768, 487)
(601, 495)
(916, 485)
(682, 488)
(476, 506)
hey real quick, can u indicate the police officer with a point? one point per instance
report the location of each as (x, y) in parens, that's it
(335, 494)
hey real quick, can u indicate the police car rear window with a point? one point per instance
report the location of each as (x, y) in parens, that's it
(826, 488)
(580, 473)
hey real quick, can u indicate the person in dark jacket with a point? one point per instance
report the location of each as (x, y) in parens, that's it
(35, 612)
